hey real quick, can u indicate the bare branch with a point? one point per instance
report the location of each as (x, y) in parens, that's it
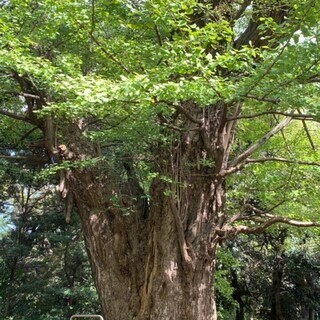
(308, 133)
(274, 220)
(14, 115)
(187, 114)
(283, 135)
(264, 221)
(233, 169)
(262, 212)
(92, 16)
(29, 95)
(305, 117)
(252, 32)
(238, 215)
(230, 127)
(181, 238)
(25, 136)
(31, 159)
(247, 153)
(242, 9)
(314, 79)
(158, 35)
(22, 94)
(279, 159)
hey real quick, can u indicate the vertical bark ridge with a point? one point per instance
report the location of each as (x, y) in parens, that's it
(162, 266)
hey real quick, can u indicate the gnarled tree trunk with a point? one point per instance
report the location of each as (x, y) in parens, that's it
(156, 260)
(157, 263)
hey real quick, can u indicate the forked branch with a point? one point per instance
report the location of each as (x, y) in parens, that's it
(261, 219)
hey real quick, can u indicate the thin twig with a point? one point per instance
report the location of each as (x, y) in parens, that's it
(158, 35)
(263, 99)
(279, 159)
(306, 117)
(308, 133)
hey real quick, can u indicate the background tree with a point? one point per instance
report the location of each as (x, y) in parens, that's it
(44, 269)
(269, 276)
(149, 113)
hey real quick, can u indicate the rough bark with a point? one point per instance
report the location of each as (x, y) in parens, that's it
(156, 263)
(307, 313)
(160, 266)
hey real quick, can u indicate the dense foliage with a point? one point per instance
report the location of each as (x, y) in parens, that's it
(44, 270)
(255, 271)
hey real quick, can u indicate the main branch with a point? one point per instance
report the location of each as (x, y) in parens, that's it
(300, 116)
(14, 115)
(271, 221)
(29, 159)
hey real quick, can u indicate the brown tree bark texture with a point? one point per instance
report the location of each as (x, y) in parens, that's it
(160, 266)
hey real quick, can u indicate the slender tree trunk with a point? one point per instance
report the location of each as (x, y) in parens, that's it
(237, 295)
(307, 313)
(277, 275)
(311, 313)
(9, 289)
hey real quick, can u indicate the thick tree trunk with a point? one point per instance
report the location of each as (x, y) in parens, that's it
(139, 266)
(156, 263)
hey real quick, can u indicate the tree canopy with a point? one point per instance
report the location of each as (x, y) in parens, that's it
(169, 128)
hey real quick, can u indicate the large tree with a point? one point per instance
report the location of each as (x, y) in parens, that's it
(148, 112)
